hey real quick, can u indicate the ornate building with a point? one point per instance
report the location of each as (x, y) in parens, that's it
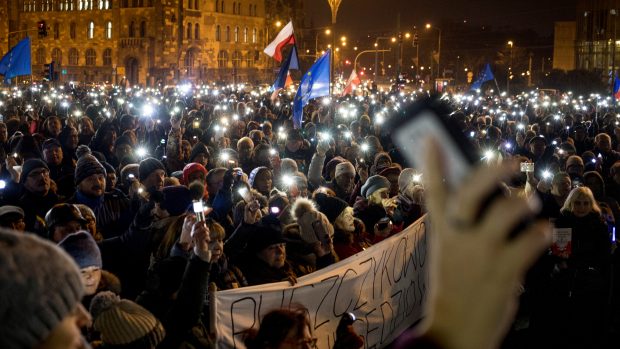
(146, 41)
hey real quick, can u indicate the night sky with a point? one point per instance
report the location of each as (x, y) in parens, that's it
(363, 16)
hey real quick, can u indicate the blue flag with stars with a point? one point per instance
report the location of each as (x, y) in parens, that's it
(486, 75)
(314, 84)
(17, 61)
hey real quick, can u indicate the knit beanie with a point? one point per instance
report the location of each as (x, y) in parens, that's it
(29, 166)
(83, 248)
(148, 166)
(331, 207)
(82, 150)
(192, 168)
(313, 225)
(405, 179)
(373, 184)
(344, 168)
(177, 199)
(199, 148)
(122, 322)
(255, 173)
(122, 140)
(87, 166)
(41, 285)
(331, 165)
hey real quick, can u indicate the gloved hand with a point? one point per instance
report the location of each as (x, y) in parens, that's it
(322, 147)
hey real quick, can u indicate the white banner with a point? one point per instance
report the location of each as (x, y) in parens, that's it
(384, 286)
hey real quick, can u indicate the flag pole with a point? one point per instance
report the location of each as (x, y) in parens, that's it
(497, 85)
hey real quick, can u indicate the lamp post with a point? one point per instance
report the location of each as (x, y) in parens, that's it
(377, 54)
(511, 44)
(316, 40)
(333, 5)
(429, 26)
(614, 13)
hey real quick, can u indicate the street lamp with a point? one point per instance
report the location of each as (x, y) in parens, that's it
(511, 44)
(429, 26)
(316, 40)
(377, 54)
(333, 5)
(278, 24)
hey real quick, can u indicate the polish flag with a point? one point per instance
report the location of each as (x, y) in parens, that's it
(352, 84)
(285, 37)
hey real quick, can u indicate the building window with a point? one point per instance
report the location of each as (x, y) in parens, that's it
(132, 29)
(56, 30)
(73, 56)
(236, 34)
(196, 31)
(190, 61)
(254, 35)
(108, 30)
(91, 30)
(196, 4)
(91, 57)
(189, 31)
(223, 8)
(107, 57)
(41, 55)
(57, 56)
(250, 9)
(248, 60)
(245, 35)
(227, 33)
(234, 8)
(236, 59)
(222, 59)
(143, 29)
(218, 33)
(72, 30)
(189, 4)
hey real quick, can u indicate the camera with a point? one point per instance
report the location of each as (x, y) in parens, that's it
(199, 210)
(527, 167)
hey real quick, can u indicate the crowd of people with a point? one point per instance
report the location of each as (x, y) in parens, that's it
(161, 194)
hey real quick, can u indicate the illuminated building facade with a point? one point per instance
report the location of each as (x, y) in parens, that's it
(144, 41)
(597, 34)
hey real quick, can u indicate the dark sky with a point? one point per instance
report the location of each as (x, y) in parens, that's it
(362, 16)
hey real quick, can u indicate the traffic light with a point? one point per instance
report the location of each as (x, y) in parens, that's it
(48, 71)
(42, 28)
(415, 39)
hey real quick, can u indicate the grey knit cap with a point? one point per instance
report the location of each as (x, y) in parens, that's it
(373, 184)
(40, 286)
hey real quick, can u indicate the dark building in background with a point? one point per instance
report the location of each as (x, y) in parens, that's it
(596, 34)
(146, 41)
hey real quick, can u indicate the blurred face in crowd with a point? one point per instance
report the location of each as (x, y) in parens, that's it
(267, 130)
(345, 220)
(53, 126)
(594, 184)
(245, 150)
(123, 150)
(580, 134)
(93, 185)
(215, 183)
(109, 138)
(155, 179)
(274, 255)
(294, 145)
(91, 276)
(61, 231)
(67, 333)
(53, 155)
(196, 176)
(263, 181)
(86, 126)
(537, 148)
(345, 181)
(38, 181)
(202, 159)
(561, 187)
(72, 140)
(393, 178)
(582, 206)
(110, 180)
(603, 143)
(3, 132)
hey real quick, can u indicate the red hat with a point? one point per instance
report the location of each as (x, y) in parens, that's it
(191, 168)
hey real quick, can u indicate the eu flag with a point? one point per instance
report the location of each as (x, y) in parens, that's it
(17, 61)
(314, 84)
(486, 75)
(291, 62)
(616, 88)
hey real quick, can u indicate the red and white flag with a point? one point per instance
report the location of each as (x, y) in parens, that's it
(285, 37)
(352, 84)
